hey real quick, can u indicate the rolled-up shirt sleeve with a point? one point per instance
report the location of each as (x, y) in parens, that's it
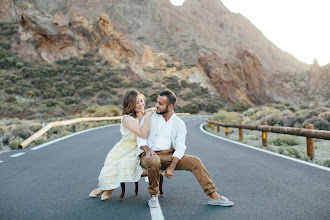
(141, 141)
(180, 141)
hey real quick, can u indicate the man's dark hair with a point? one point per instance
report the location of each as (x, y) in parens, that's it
(171, 97)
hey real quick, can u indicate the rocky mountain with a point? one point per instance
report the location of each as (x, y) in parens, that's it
(233, 57)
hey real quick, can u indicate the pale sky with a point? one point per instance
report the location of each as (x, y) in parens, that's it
(300, 27)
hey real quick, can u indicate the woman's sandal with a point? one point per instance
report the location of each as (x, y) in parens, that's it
(106, 194)
(94, 195)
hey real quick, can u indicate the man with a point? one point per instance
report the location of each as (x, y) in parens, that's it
(167, 130)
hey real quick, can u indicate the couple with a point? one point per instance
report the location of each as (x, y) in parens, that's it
(160, 138)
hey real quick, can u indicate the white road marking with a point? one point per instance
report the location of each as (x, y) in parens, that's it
(265, 151)
(1, 161)
(146, 179)
(17, 155)
(156, 213)
(68, 136)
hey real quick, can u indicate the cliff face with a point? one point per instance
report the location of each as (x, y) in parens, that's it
(50, 38)
(240, 64)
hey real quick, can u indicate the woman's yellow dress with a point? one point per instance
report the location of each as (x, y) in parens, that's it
(122, 163)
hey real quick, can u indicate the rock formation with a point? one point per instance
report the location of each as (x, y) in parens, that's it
(240, 63)
(51, 38)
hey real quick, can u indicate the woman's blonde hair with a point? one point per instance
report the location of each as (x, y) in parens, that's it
(129, 102)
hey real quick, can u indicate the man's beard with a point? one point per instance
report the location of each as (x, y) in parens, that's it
(164, 112)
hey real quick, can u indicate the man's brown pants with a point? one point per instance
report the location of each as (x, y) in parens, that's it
(163, 159)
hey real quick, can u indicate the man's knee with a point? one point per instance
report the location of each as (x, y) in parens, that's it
(153, 161)
(196, 161)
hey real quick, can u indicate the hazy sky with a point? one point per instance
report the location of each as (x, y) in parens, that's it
(300, 27)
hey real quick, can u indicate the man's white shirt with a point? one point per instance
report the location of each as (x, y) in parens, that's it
(164, 134)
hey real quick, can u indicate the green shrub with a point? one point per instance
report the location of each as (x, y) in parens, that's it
(293, 152)
(101, 111)
(211, 107)
(237, 107)
(227, 117)
(14, 141)
(281, 150)
(284, 140)
(191, 108)
(50, 102)
(326, 163)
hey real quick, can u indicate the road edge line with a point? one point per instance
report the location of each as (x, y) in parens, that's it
(70, 135)
(265, 151)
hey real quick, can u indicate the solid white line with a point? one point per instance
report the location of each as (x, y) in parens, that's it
(17, 155)
(265, 151)
(68, 136)
(156, 213)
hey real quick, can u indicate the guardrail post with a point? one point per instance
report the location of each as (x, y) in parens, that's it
(209, 124)
(110, 122)
(240, 133)
(89, 124)
(310, 143)
(212, 125)
(44, 137)
(99, 123)
(218, 128)
(264, 136)
(227, 131)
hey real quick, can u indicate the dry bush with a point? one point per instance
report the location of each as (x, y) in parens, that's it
(101, 111)
(284, 140)
(227, 117)
(325, 115)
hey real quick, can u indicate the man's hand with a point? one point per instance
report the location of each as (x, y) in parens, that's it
(169, 172)
(150, 153)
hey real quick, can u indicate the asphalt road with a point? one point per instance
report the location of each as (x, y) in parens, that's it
(54, 182)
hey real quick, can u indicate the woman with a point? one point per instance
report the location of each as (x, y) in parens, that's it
(122, 163)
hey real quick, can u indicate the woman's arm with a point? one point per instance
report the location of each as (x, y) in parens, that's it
(131, 125)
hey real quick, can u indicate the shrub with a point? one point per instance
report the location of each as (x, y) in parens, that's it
(227, 117)
(280, 150)
(14, 141)
(293, 152)
(273, 119)
(191, 108)
(326, 163)
(50, 102)
(319, 123)
(101, 111)
(289, 121)
(211, 107)
(237, 107)
(284, 140)
(325, 115)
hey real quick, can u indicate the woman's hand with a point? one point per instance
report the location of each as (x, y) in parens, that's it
(150, 111)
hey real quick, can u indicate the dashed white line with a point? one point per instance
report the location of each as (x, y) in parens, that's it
(1, 161)
(156, 213)
(265, 151)
(17, 155)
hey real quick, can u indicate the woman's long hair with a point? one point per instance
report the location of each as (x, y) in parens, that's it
(129, 103)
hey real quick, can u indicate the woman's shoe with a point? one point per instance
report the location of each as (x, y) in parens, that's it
(94, 195)
(106, 194)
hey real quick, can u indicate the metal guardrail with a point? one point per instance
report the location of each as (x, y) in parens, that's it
(308, 132)
(43, 131)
